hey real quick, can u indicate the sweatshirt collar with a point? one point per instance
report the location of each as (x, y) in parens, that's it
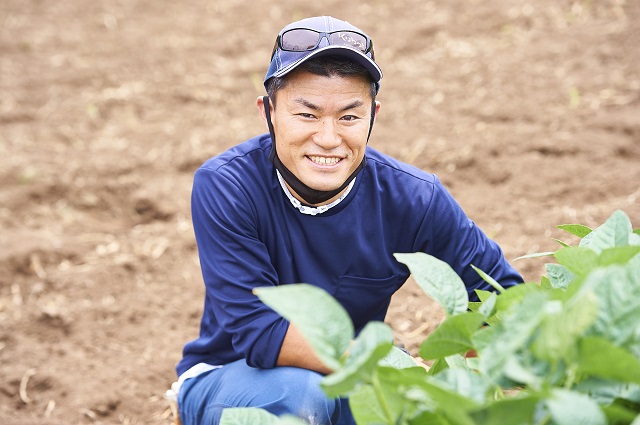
(305, 209)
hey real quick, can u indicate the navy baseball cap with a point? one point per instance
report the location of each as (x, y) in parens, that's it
(321, 36)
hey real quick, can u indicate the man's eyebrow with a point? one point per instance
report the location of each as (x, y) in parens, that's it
(306, 103)
(315, 107)
(353, 105)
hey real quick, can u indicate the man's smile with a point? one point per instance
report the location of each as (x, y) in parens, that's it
(322, 160)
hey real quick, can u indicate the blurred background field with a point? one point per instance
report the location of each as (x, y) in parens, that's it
(528, 112)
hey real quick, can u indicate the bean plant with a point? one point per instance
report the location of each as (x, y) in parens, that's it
(564, 350)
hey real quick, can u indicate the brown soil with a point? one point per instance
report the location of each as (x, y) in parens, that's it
(528, 111)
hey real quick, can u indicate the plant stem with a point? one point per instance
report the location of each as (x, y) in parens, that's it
(382, 401)
(571, 377)
(545, 419)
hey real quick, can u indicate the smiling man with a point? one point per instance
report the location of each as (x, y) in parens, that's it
(310, 202)
(321, 128)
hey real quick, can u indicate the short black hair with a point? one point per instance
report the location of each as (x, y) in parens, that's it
(327, 66)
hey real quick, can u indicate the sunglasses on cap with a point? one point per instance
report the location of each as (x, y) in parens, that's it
(305, 39)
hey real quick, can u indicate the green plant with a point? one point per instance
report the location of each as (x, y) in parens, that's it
(562, 351)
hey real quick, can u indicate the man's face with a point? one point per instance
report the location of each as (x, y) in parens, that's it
(321, 126)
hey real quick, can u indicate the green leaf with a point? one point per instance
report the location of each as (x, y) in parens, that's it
(606, 392)
(398, 359)
(488, 306)
(516, 371)
(247, 416)
(445, 412)
(255, 416)
(545, 283)
(561, 243)
(322, 320)
(408, 392)
(519, 411)
(465, 382)
(475, 305)
(438, 366)
(599, 357)
(514, 295)
(560, 329)
(365, 406)
(438, 280)
(392, 392)
(491, 281)
(535, 255)
(634, 264)
(559, 275)
(618, 413)
(483, 295)
(617, 255)
(457, 361)
(614, 232)
(637, 231)
(575, 229)
(578, 260)
(453, 336)
(483, 337)
(511, 334)
(571, 408)
(373, 343)
(427, 418)
(618, 291)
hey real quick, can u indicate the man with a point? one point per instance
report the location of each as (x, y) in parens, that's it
(310, 202)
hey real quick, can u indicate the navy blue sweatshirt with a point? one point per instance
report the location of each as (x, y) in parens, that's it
(249, 235)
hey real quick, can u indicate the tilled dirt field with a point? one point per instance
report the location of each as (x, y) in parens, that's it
(528, 111)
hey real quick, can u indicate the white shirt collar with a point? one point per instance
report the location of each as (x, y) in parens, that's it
(312, 210)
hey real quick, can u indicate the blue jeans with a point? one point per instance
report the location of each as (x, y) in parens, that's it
(282, 390)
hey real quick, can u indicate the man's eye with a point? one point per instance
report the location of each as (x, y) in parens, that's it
(349, 118)
(305, 115)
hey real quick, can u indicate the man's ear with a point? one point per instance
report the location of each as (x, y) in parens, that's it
(261, 106)
(376, 110)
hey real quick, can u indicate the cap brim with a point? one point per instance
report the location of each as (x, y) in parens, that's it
(332, 50)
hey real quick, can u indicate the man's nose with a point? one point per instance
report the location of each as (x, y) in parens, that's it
(327, 136)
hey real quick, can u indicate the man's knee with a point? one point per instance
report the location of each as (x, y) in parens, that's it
(280, 391)
(297, 392)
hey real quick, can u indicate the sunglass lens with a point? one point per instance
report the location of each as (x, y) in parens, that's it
(299, 40)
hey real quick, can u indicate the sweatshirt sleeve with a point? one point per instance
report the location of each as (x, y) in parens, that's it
(234, 262)
(451, 236)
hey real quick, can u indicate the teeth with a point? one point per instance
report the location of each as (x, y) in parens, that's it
(323, 160)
